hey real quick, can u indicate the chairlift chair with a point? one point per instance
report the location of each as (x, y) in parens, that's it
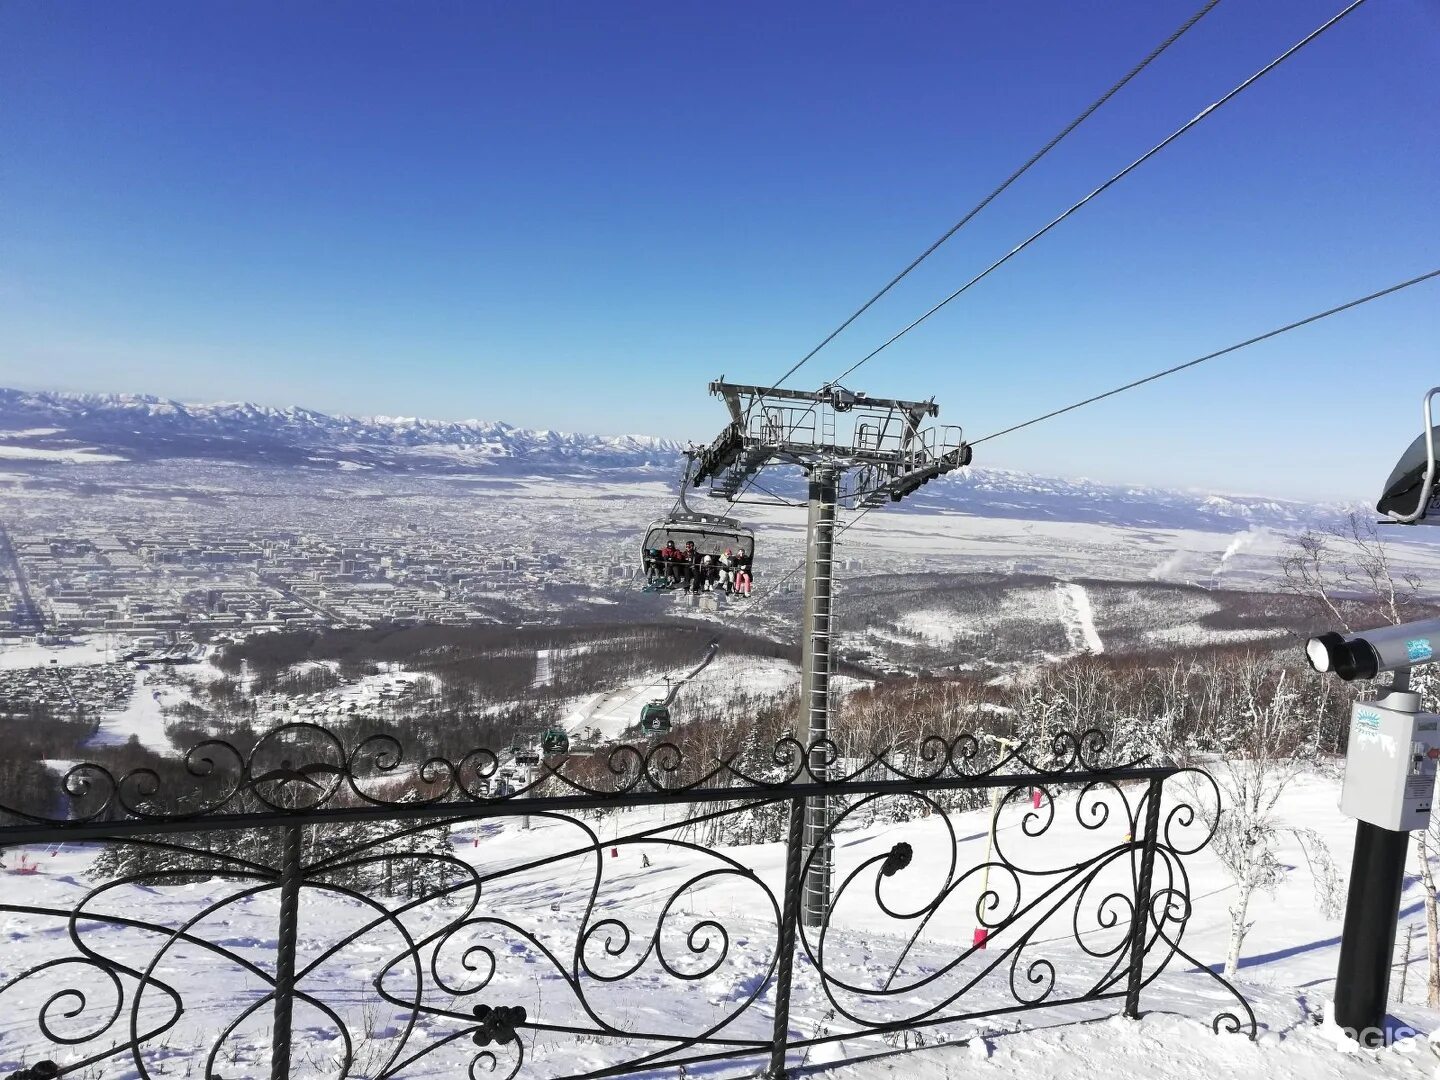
(1409, 496)
(555, 741)
(711, 534)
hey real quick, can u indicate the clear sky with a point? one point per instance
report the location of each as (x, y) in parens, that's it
(573, 215)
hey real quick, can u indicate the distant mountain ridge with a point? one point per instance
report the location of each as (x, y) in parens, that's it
(138, 426)
(51, 428)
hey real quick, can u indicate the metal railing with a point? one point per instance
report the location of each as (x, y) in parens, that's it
(319, 905)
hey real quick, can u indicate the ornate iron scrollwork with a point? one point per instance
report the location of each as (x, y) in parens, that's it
(643, 947)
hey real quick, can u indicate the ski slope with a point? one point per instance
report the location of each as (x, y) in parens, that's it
(727, 683)
(1078, 617)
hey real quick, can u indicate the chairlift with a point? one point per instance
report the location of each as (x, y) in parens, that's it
(555, 741)
(1409, 497)
(712, 534)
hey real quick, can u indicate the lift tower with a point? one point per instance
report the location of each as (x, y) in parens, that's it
(856, 451)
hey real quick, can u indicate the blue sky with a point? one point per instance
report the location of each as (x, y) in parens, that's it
(575, 215)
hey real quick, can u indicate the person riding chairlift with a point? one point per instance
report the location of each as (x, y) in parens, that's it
(670, 560)
(693, 576)
(727, 571)
(742, 574)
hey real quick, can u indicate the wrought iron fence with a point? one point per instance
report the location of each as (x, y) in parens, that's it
(309, 907)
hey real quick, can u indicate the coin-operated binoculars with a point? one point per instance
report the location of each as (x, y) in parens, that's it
(1390, 760)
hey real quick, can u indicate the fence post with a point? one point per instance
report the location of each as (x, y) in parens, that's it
(789, 917)
(1141, 914)
(290, 878)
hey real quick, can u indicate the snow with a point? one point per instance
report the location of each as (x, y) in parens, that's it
(83, 456)
(727, 684)
(1287, 973)
(1191, 635)
(937, 627)
(83, 651)
(543, 672)
(1172, 1047)
(142, 716)
(1078, 617)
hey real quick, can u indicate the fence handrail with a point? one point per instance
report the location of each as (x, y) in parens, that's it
(106, 806)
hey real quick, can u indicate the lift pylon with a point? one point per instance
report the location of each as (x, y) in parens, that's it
(855, 450)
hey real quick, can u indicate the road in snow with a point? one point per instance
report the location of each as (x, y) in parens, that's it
(1078, 616)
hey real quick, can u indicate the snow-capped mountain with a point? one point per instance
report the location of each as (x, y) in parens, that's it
(134, 426)
(49, 429)
(994, 492)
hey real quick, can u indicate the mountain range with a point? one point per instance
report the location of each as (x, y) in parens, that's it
(140, 427)
(49, 430)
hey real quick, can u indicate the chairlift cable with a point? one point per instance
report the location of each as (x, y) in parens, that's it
(974, 211)
(1211, 356)
(1297, 324)
(1174, 135)
(1153, 151)
(1055, 141)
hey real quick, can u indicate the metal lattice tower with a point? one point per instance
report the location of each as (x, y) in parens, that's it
(854, 450)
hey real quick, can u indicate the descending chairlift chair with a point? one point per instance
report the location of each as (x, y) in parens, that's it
(1409, 497)
(655, 716)
(711, 534)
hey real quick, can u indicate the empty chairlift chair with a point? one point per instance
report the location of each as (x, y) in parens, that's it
(1409, 497)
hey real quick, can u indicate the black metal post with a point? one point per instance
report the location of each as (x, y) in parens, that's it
(290, 877)
(1367, 942)
(789, 916)
(1140, 918)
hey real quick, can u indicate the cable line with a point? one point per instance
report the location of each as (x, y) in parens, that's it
(1090, 110)
(1211, 356)
(841, 530)
(1192, 122)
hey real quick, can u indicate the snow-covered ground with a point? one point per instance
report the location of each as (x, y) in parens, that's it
(531, 897)
(937, 627)
(728, 681)
(86, 455)
(142, 716)
(1073, 603)
(15, 656)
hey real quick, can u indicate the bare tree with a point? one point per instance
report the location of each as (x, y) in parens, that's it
(1265, 729)
(1352, 558)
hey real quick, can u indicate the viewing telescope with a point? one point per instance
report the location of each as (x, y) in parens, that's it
(1392, 759)
(1368, 653)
